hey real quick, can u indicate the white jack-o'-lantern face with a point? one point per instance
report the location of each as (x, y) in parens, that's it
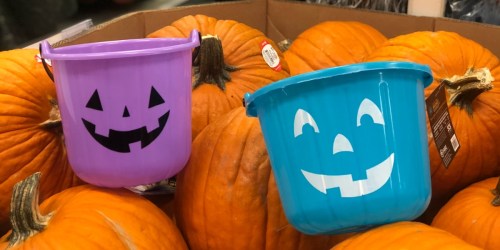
(376, 176)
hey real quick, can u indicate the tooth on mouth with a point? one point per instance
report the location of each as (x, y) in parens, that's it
(150, 128)
(377, 176)
(101, 130)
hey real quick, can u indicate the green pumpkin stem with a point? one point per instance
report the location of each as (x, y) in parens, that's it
(496, 192)
(25, 217)
(209, 65)
(54, 120)
(464, 89)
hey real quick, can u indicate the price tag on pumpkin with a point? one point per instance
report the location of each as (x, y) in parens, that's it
(441, 127)
(270, 55)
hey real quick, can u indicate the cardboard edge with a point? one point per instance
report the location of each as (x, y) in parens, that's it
(304, 15)
(156, 19)
(140, 23)
(479, 32)
(113, 26)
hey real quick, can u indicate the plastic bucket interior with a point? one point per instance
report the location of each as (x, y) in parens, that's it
(348, 145)
(125, 107)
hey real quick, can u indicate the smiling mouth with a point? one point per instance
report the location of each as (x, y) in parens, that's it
(119, 140)
(377, 176)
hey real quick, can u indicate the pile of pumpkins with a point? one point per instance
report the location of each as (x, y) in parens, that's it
(226, 196)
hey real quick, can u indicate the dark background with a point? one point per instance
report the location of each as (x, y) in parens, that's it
(24, 22)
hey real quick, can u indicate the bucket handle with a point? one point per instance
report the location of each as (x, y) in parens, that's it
(44, 63)
(196, 50)
(47, 45)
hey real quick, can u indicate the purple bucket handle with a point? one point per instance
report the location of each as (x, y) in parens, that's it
(49, 53)
(44, 63)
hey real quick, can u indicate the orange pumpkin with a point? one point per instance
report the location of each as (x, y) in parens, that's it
(473, 214)
(226, 196)
(30, 129)
(472, 77)
(229, 63)
(87, 217)
(332, 43)
(404, 235)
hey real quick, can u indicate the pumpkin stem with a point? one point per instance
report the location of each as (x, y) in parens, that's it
(284, 45)
(25, 217)
(165, 186)
(496, 192)
(209, 65)
(54, 121)
(464, 89)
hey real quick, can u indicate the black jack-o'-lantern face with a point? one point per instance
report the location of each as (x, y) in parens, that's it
(120, 140)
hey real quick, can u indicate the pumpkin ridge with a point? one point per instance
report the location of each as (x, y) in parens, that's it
(26, 91)
(248, 78)
(122, 235)
(223, 29)
(491, 230)
(28, 166)
(57, 144)
(401, 236)
(304, 59)
(240, 154)
(32, 161)
(332, 60)
(207, 23)
(398, 46)
(485, 214)
(225, 33)
(244, 57)
(27, 104)
(353, 31)
(15, 149)
(490, 239)
(206, 184)
(15, 71)
(372, 38)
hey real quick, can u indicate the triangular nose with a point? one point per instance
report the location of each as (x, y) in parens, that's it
(125, 112)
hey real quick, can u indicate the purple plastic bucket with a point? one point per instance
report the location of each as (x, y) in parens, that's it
(125, 107)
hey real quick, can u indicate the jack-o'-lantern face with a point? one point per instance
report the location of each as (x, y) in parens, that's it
(120, 140)
(377, 175)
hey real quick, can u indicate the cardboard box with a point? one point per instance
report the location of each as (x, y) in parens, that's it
(281, 19)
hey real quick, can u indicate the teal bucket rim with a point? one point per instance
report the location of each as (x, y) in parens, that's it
(61, 53)
(249, 99)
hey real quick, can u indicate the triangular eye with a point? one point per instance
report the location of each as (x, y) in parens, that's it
(125, 112)
(155, 98)
(94, 101)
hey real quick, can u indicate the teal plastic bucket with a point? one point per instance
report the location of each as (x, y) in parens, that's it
(348, 145)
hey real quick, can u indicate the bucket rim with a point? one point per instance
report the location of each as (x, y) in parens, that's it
(47, 52)
(249, 99)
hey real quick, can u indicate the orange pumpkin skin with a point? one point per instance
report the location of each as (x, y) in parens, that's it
(226, 196)
(450, 54)
(89, 217)
(404, 235)
(330, 44)
(27, 145)
(242, 49)
(470, 215)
